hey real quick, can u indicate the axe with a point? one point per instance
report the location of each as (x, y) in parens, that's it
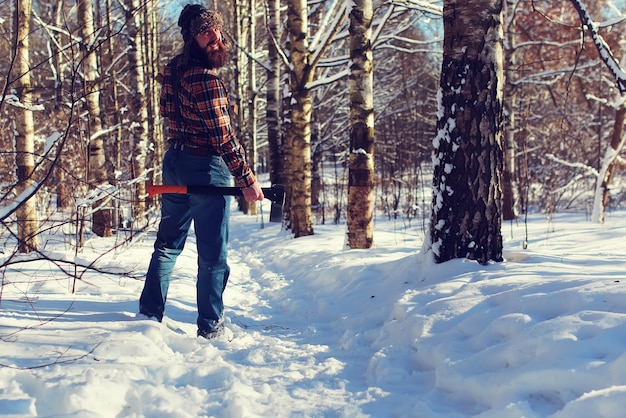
(275, 193)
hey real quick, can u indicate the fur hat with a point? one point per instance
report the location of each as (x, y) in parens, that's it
(195, 19)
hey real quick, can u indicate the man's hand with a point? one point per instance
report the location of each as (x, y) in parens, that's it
(253, 192)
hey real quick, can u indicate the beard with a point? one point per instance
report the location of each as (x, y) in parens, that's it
(212, 59)
(216, 59)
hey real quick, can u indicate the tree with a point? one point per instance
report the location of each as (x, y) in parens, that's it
(466, 206)
(138, 105)
(151, 48)
(304, 59)
(27, 219)
(273, 108)
(361, 160)
(619, 75)
(245, 18)
(299, 133)
(560, 103)
(510, 195)
(97, 161)
(618, 138)
(252, 99)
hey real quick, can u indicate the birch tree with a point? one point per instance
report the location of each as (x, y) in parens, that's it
(151, 48)
(251, 120)
(360, 220)
(510, 195)
(27, 219)
(303, 62)
(273, 97)
(299, 134)
(138, 113)
(245, 16)
(608, 163)
(97, 173)
(466, 215)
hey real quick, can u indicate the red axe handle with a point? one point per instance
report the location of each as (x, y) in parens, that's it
(160, 189)
(276, 193)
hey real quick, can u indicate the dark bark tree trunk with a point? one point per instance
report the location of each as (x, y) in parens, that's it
(466, 213)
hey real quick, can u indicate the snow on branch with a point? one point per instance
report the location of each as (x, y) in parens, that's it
(8, 210)
(586, 168)
(322, 81)
(603, 49)
(421, 5)
(14, 101)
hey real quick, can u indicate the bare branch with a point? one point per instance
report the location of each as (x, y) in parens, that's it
(603, 49)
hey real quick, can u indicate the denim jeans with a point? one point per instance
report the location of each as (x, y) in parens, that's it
(210, 215)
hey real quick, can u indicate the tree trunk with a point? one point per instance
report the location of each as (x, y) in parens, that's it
(155, 132)
(251, 120)
(301, 108)
(27, 219)
(97, 162)
(466, 211)
(112, 104)
(273, 111)
(361, 159)
(64, 199)
(239, 115)
(510, 194)
(607, 169)
(138, 108)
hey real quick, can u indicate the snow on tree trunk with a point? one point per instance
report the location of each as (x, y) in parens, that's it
(301, 222)
(466, 210)
(27, 220)
(361, 160)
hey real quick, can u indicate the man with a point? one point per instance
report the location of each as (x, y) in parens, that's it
(203, 150)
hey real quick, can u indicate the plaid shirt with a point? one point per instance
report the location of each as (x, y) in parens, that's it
(205, 119)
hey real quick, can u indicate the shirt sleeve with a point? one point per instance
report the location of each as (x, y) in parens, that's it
(165, 98)
(211, 99)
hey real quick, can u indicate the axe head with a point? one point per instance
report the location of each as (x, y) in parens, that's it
(276, 194)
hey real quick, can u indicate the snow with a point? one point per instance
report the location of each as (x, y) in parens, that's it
(7, 210)
(319, 331)
(13, 100)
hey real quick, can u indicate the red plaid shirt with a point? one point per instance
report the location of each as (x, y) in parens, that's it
(205, 119)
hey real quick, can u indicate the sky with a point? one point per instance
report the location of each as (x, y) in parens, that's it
(316, 330)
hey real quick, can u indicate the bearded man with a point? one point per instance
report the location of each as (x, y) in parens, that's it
(203, 150)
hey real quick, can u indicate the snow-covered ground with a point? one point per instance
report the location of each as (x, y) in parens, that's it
(320, 331)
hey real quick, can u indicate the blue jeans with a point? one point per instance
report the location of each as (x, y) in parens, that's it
(210, 215)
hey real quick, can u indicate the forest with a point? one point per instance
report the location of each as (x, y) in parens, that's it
(339, 101)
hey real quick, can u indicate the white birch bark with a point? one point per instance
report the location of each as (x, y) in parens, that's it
(360, 220)
(97, 173)
(138, 108)
(27, 218)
